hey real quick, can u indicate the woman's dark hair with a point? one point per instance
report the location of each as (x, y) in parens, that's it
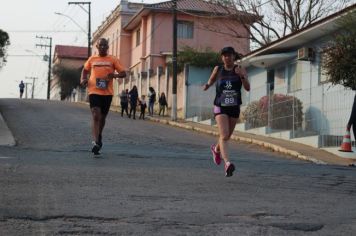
(230, 50)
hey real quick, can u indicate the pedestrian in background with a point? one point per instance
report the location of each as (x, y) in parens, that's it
(133, 95)
(352, 120)
(74, 92)
(151, 100)
(124, 102)
(229, 80)
(162, 101)
(143, 106)
(102, 69)
(22, 87)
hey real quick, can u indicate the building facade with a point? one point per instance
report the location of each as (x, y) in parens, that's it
(72, 57)
(291, 68)
(141, 36)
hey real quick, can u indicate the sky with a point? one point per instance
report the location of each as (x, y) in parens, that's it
(23, 20)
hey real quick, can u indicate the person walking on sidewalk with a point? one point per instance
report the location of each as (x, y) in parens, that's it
(74, 92)
(133, 94)
(352, 120)
(151, 100)
(229, 80)
(162, 104)
(124, 102)
(143, 106)
(100, 88)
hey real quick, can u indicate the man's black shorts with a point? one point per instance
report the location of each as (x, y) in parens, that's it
(102, 101)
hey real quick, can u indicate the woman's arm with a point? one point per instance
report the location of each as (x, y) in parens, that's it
(212, 79)
(243, 76)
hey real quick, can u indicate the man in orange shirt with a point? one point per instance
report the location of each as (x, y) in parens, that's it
(100, 88)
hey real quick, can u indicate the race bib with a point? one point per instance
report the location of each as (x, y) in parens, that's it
(228, 98)
(101, 83)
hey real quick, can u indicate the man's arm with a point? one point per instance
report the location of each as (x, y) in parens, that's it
(84, 78)
(121, 74)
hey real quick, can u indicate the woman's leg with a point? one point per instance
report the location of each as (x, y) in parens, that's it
(134, 111)
(232, 124)
(224, 134)
(150, 107)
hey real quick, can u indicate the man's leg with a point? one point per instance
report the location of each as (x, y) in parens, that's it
(97, 125)
(96, 128)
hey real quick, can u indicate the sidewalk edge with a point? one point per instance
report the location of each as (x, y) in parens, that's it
(6, 137)
(271, 146)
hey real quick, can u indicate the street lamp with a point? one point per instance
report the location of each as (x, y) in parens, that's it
(61, 14)
(89, 20)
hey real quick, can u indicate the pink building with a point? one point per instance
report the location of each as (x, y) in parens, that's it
(141, 35)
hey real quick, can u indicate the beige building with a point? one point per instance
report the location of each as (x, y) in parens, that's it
(69, 57)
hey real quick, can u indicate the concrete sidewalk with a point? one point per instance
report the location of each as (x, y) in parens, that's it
(297, 150)
(6, 137)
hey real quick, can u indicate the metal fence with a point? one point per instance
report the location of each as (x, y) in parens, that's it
(321, 110)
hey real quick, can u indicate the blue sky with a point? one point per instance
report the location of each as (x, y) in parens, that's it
(24, 20)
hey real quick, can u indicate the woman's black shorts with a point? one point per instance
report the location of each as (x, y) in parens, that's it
(102, 101)
(233, 111)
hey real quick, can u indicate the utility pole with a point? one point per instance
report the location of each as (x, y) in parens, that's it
(49, 61)
(89, 21)
(33, 85)
(174, 63)
(26, 89)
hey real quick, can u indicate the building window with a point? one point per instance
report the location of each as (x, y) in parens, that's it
(294, 77)
(323, 77)
(138, 36)
(185, 30)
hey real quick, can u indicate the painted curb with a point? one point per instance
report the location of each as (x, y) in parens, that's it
(267, 145)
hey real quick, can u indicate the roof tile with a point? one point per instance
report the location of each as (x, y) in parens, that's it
(193, 5)
(71, 51)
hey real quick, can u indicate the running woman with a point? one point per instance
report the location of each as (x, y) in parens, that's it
(229, 80)
(100, 88)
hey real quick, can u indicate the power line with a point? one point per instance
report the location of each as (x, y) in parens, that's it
(43, 31)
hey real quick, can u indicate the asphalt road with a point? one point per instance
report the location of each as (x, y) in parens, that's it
(154, 179)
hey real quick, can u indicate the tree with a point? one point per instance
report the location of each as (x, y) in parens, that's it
(69, 78)
(198, 58)
(339, 57)
(4, 43)
(274, 19)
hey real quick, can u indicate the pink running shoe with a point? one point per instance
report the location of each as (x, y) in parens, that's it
(216, 155)
(229, 169)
